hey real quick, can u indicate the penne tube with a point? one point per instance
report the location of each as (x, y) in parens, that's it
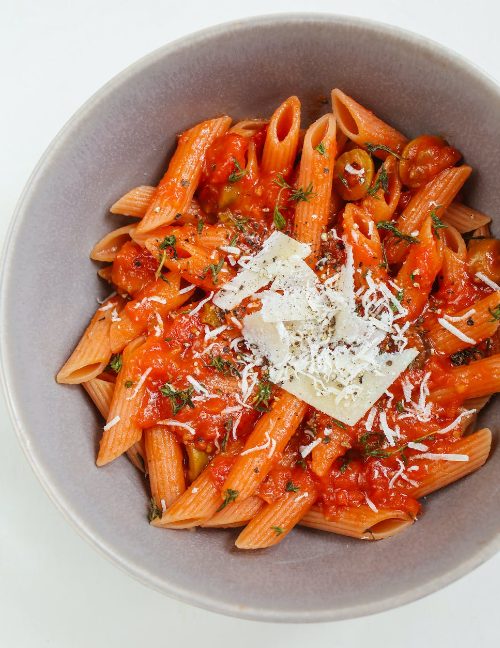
(107, 248)
(360, 522)
(121, 431)
(101, 393)
(316, 174)
(105, 273)
(136, 455)
(275, 521)
(477, 403)
(463, 218)
(419, 271)
(363, 127)
(435, 195)
(439, 474)
(324, 454)
(93, 351)
(135, 202)
(282, 138)
(153, 302)
(476, 380)
(197, 504)
(379, 202)
(236, 514)
(175, 190)
(248, 127)
(362, 235)
(478, 326)
(165, 465)
(269, 437)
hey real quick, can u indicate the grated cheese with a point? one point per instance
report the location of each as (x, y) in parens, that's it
(459, 318)
(172, 423)
(215, 332)
(307, 449)
(111, 423)
(441, 457)
(139, 384)
(417, 446)
(186, 289)
(371, 504)
(201, 304)
(456, 332)
(489, 282)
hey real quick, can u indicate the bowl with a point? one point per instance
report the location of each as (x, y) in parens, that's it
(121, 138)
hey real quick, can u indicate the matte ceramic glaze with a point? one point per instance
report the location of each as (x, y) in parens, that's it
(121, 138)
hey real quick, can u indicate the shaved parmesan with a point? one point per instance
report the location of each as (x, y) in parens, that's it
(201, 304)
(307, 449)
(139, 384)
(172, 423)
(260, 269)
(441, 457)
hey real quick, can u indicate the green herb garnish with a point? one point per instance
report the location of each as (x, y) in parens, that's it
(371, 148)
(226, 367)
(320, 148)
(495, 313)
(278, 218)
(169, 242)
(302, 195)
(437, 223)
(154, 510)
(116, 363)
(277, 530)
(128, 384)
(215, 268)
(199, 225)
(179, 398)
(261, 400)
(382, 181)
(237, 173)
(291, 487)
(230, 495)
(390, 227)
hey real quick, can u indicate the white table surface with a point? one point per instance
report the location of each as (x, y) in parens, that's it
(55, 590)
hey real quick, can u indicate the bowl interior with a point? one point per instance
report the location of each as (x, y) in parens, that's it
(122, 138)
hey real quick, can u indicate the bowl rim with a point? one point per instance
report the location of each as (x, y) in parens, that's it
(14, 402)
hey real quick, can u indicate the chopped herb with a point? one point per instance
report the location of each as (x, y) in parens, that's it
(116, 362)
(226, 367)
(237, 173)
(277, 530)
(199, 225)
(390, 227)
(240, 223)
(215, 268)
(164, 278)
(412, 275)
(302, 195)
(281, 182)
(399, 296)
(465, 356)
(338, 424)
(162, 260)
(400, 408)
(371, 148)
(495, 313)
(301, 463)
(384, 263)
(229, 496)
(437, 223)
(343, 181)
(233, 240)
(128, 384)
(278, 218)
(261, 400)
(345, 464)
(154, 510)
(169, 242)
(382, 181)
(291, 487)
(228, 425)
(320, 148)
(326, 440)
(179, 398)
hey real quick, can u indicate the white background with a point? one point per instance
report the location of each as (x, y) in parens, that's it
(55, 590)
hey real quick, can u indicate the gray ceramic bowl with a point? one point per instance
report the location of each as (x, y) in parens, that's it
(121, 138)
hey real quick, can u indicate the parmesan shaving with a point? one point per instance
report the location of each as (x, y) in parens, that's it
(441, 457)
(172, 423)
(489, 282)
(139, 384)
(111, 423)
(201, 304)
(456, 332)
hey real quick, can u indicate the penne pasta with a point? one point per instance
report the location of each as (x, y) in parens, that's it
(363, 127)
(236, 514)
(463, 218)
(107, 248)
(270, 436)
(437, 194)
(275, 521)
(101, 393)
(360, 522)
(176, 188)
(248, 127)
(165, 465)
(93, 351)
(282, 138)
(476, 323)
(135, 202)
(121, 431)
(315, 178)
(476, 380)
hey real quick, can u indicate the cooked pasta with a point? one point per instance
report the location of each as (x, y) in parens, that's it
(303, 329)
